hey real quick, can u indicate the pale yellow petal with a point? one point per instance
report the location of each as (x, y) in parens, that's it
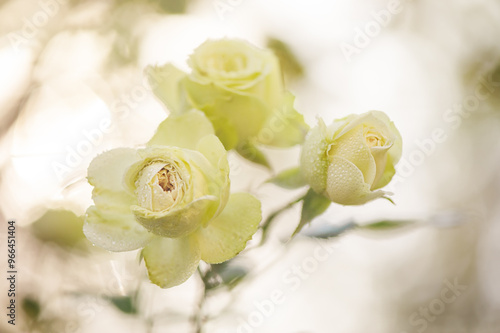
(352, 147)
(171, 261)
(108, 169)
(114, 231)
(183, 131)
(227, 235)
(211, 147)
(285, 127)
(218, 182)
(314, 159)
(178, 222)
(345, 184)
(244, 114)
(380, 155)
(165, 82)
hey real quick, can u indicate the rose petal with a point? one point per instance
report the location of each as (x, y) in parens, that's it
(178, 222)
(352, 147)
(345, 184)
(108, 169)
(313, 157)
(218, 183)
(387, 172)
(373, 118)
(161, 154)
(397, 144)
(171, 261)
(245, 114)
(258, 72)
(285, 127)
(183, 131)
(211, 147)
(165, 82)
(114, 231)
(227, 235)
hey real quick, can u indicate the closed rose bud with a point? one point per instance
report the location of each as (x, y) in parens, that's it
(350, 160)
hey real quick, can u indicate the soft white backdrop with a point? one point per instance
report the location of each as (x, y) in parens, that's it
(61, 82)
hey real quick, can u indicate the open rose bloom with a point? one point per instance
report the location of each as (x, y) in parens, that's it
(239, 87)
(350, 160)
(172, 199)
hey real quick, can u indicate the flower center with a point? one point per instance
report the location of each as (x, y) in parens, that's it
(165, 179)
(226, 62)
(159, 186)
(373, 138)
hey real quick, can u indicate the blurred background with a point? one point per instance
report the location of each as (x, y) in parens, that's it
(72, 86)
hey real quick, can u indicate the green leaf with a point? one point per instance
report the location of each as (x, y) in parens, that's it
(290, 65)
(328, 231)
(124, 303)
(249, 151)
(325, 231)
(229, 272)
(31, 307)
(387, 224)
(171, 6)
(314, 204)
(61, 227)
(389, 199)
(232, 274)
(289, 179)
